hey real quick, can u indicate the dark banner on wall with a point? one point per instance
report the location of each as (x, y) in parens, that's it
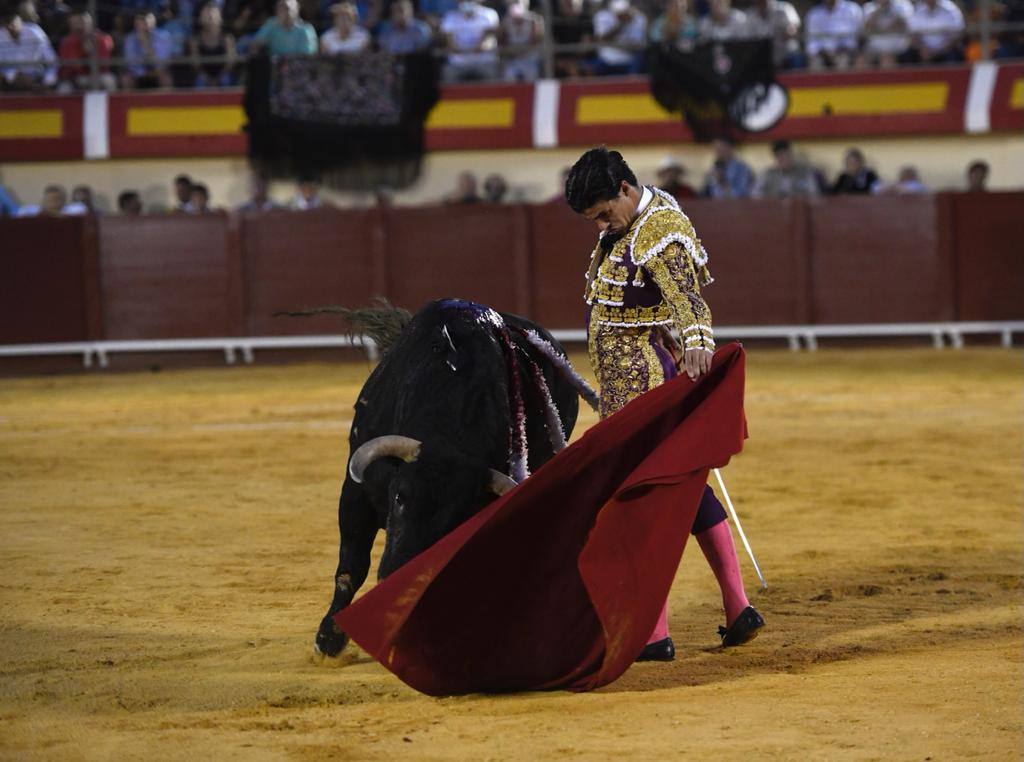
(720, 88)
(357, 122)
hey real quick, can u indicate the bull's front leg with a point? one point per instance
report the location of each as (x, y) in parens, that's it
(357, 523)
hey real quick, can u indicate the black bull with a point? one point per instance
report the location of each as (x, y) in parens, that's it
(437, 420)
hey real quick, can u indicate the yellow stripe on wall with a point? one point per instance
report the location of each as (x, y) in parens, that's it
(473, 112)
(867, 100)
(32, 123)
(1017, 94)
(148, 121)
(636, 108)
(851, 100)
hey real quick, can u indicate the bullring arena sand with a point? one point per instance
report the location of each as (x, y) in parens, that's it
(167, 542)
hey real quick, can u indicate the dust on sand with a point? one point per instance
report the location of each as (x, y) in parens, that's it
(168, 540)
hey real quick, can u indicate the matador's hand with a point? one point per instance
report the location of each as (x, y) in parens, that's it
(696, 362)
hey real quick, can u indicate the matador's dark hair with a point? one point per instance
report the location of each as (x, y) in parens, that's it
(596, 176)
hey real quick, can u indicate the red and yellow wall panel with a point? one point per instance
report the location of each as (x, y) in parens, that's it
(821, 105)
(482, 117)
(924, 101)
(173, 124)
(1008, 98)
(40, 128)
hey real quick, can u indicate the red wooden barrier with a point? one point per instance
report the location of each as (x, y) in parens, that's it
(989, 244)
(48, 280)
(295, 260)
(167, 277)
(878, 260)
(474, 252)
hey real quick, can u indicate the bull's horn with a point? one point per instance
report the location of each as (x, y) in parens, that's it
(500, 483)
(394, 446)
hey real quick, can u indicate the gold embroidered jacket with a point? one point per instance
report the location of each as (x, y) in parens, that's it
(649, 278)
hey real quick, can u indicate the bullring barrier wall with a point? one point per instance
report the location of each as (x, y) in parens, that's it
(846, 260)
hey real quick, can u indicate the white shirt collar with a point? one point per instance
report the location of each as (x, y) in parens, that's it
(646, 197)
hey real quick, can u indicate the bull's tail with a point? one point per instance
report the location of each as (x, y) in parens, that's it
(382, 322)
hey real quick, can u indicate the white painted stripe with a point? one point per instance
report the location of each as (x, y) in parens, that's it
(978, 107)
(546, 93)
(94, 126)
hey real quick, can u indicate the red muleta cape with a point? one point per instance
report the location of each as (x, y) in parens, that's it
(558, 584)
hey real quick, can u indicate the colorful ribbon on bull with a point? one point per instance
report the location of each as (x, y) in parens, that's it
(518, 453)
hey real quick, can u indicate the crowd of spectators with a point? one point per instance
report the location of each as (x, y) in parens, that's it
(196, 43)
(789, 176)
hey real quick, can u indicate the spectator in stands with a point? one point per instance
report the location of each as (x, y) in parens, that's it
(182, 193)
(977, 176)
(178, 27)
(404, 33)
(886, 23)
(676, 27)
(146, 51)
(22, 43)
(259, 196)
(472, 38)
(81, 201)
(465, 190)
(723, 23)
(212, 41)
(778, 21)
(54, 200)
(1011, 42)
(730, 176)
(53, 20)
(789, 178)
(434, 11)
(8, 206)
(129, 203)
(199, 200)
(495, 189)
(908, 183)
(833, 29)
(307, 194)
(245, 19)
(522, 30)
(571, 24)
(856, 177)
(670, 179)
(346, 37)
(286, 34)
(79, 43)
(937, 28)
(620, 24)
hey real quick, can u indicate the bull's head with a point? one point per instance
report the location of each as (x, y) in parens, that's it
(430, 490)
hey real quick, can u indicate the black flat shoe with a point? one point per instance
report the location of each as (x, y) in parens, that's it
(663, 650)
(744, 629)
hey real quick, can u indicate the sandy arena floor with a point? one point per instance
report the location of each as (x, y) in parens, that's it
(167, 542)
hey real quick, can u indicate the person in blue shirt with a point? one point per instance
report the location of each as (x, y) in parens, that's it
(286, 34)
(146, 51)
(730, 176)
(403, 34)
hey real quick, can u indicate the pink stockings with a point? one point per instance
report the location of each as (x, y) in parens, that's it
(720, 552)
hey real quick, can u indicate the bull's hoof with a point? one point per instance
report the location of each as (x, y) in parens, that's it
(329, 639)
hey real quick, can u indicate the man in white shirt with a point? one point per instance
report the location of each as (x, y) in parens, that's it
(472, 32)
(779, 22)
(346, 37)
(832, 33)
(22, 42)
(620, 23)
(886, 23)
(723, 23)
(937, 28)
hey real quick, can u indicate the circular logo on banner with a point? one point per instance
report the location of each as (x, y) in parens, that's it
(759, 107)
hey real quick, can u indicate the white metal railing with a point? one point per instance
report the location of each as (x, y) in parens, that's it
(797, 336)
